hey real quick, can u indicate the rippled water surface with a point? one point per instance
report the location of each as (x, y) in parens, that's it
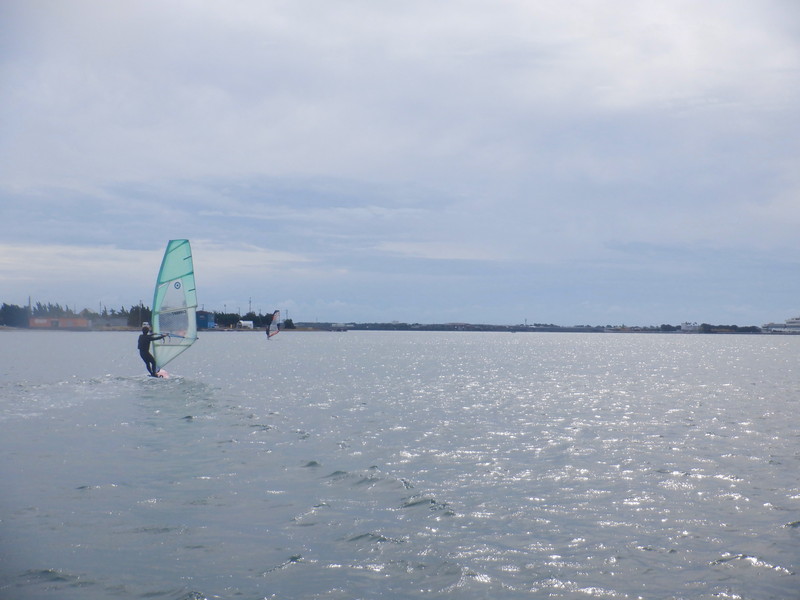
(401, 465)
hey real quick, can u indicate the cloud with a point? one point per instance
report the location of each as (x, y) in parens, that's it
(286, 89)
(221, 264)
(439, 251)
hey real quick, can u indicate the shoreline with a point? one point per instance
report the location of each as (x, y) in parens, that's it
(467, 329)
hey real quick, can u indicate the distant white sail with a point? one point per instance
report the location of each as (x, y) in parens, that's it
(174, 303)
(273, 328)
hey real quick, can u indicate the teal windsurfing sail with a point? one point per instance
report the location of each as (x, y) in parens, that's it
(174, 303)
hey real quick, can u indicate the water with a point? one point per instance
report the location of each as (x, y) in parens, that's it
(401, 465)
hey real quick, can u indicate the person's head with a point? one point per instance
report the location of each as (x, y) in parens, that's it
(145, 329)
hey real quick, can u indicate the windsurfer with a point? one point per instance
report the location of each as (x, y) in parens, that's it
(269, 318)
(273, 323)
(144, 349)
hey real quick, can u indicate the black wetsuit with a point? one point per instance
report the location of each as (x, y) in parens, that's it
(144, 351)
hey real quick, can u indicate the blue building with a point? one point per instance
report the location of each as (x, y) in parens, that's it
(205, 320)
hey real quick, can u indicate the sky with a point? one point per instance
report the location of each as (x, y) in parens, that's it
(599, 162)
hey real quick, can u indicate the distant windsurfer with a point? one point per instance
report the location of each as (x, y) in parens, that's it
(269, 318)
(144, 349)
(273, 319)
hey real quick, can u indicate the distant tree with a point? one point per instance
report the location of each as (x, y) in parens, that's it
(88, 314)
(136, 315)
(288, 324)
(12, 315)
(226, 320)
(256, 319)
(51, 310)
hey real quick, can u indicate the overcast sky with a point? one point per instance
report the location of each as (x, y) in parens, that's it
(584, 162)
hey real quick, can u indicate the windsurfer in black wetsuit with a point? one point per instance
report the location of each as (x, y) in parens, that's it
(144, 349)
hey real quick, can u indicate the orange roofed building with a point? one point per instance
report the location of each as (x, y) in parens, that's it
(59, 323)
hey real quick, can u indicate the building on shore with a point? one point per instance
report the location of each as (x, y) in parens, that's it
(205, 320)
(72, 323)
(789, 326)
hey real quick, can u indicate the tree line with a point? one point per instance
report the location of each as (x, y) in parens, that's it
(12, 315)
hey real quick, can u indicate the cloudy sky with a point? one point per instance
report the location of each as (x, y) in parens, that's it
(583, 162)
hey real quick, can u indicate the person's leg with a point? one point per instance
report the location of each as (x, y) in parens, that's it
(149, 362)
